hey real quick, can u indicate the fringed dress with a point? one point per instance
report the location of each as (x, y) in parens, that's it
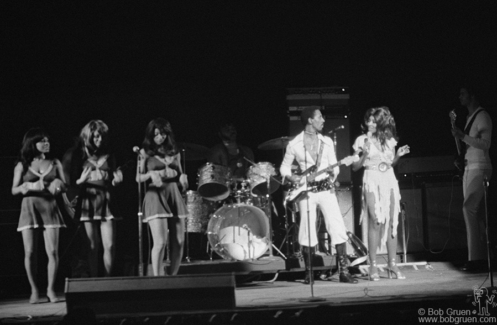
(379, 179)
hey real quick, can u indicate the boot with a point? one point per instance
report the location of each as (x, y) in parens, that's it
(342, 264)
(306, 253)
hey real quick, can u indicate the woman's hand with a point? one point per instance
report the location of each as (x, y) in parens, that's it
(118, 177)
(183, 181)
(156, 178)
(403, 151)
(85, 175)
(24, 188)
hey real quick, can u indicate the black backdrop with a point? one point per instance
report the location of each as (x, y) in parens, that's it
(202, 63)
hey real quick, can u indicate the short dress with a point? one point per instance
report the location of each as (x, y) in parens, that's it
(164, 201)
(95, 198)
(380, 183)
(39, 209)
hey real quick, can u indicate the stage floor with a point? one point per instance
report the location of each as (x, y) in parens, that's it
(437, 281)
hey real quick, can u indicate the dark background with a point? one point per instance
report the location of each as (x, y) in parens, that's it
(202, 63)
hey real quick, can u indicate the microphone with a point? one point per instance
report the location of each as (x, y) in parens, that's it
(136, 149)
(336, 129)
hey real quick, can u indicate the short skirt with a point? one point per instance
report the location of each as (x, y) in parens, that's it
(40, 212)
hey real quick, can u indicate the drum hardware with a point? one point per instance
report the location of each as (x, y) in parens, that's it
(275, 144)
(192, 152)
(268, 178)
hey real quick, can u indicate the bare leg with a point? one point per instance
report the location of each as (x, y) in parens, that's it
(30, 241)
(392, 244)
(108, 231)
(158, 227)
(177, 239)
(92, 232)
(373, 235)
(51, 237)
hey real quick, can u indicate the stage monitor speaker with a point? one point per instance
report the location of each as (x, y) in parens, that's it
(343, 148)
(131, 295)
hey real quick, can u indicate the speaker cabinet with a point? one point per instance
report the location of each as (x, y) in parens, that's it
(443, 217)
(131, 295)
(412, 201)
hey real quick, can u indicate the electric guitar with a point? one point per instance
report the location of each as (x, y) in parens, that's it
(310, 174)
(459, 161)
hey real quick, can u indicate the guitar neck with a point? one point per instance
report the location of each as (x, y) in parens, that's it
(458, 143)
(327, 169)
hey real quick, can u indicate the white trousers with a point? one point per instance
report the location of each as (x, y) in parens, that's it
(474, 212)
(328, 204)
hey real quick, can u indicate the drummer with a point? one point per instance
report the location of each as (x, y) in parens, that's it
(231, 154)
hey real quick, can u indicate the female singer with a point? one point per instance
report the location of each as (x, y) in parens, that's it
(381, 194)
(39, 179)
(163, 206)
(91, 167)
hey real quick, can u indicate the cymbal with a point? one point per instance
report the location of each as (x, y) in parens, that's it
(193, 151)
(274, 144)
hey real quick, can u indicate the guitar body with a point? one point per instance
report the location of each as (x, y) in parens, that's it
(307, 183)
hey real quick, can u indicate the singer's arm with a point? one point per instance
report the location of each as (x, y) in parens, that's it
(140, 167)
(361, 148)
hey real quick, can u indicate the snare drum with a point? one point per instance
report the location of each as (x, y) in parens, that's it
(198, 214)
(258, 175)
(213, 181)
(239, 231)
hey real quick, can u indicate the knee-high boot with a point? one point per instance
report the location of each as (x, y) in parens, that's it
(307, 253)
(342, 264)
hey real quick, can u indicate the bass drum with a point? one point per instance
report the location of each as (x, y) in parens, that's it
(239, 232)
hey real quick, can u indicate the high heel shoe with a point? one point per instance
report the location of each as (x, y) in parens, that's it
(394, 269)
(373, 273)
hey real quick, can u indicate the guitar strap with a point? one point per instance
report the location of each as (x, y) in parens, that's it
(470, 124)
(318, 161)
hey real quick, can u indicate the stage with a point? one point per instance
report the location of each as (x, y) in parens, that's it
(282, 297)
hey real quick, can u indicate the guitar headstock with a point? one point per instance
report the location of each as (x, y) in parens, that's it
(452, 116)
(347, 161)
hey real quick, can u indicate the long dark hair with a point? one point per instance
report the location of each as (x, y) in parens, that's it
(169, 147)
(28, 150)
(86, 138)
(385, 124)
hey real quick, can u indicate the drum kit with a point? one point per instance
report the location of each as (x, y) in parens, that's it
(234, 213)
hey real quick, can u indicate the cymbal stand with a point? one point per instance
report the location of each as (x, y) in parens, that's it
(187, 258)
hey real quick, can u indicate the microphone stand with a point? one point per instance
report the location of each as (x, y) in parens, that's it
(489, 255)
(309, 256)
(140, 224)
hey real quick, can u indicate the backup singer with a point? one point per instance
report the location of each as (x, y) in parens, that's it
(311, 148)
(163, 206)
(91, 168)
(39, 179)
(381, 194)
(477, 139)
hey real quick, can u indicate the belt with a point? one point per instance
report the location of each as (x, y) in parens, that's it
(320, 186)
(382, 167)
